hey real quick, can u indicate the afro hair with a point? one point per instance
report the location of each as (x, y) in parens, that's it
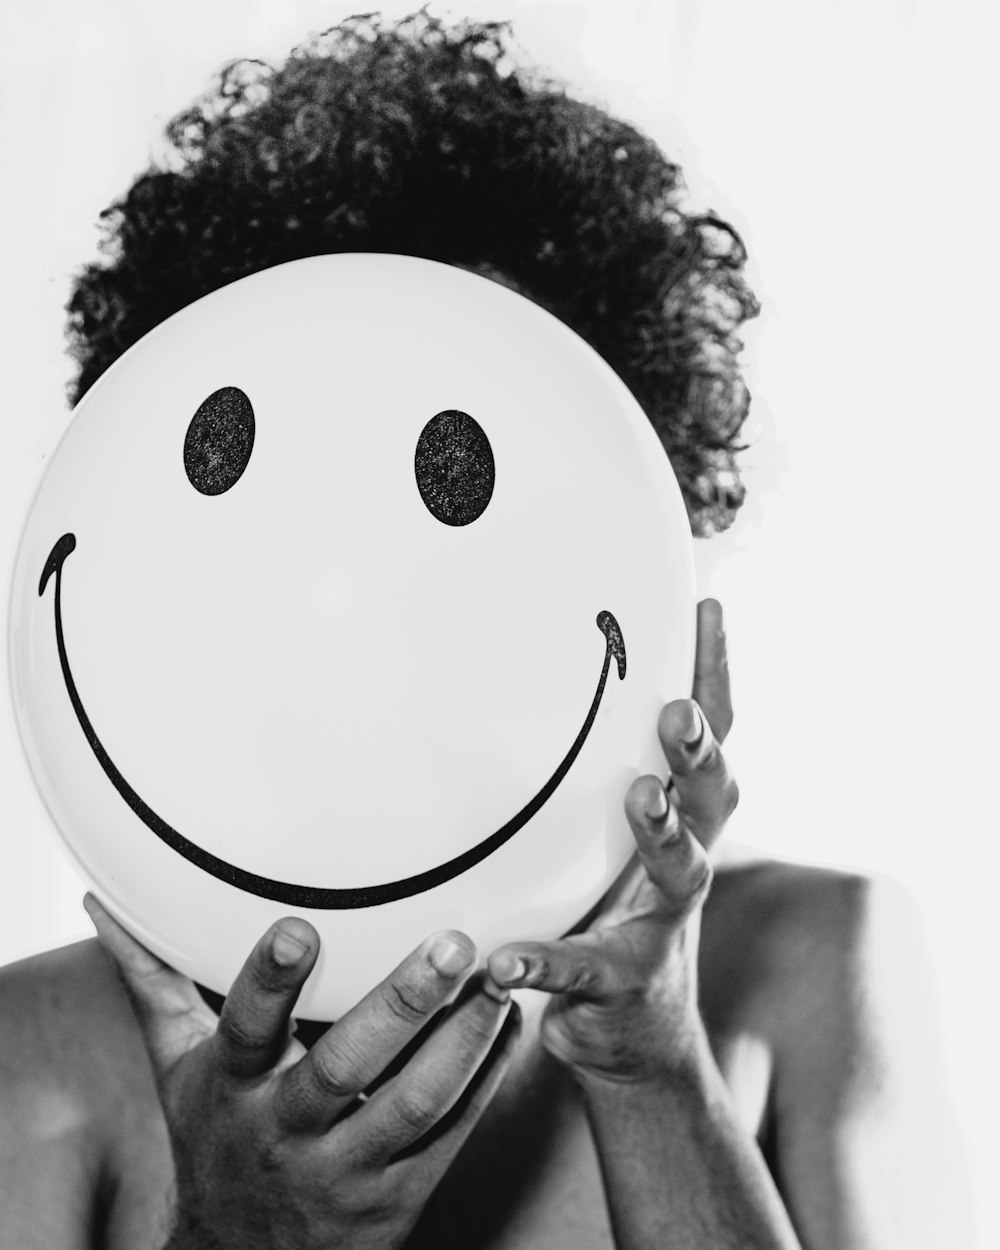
(426, 138)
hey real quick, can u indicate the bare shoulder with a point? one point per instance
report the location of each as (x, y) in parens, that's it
(812, 947)
(78, 977)
(829, 969)
(73, 1074)
(65, 1022)
(809, 958)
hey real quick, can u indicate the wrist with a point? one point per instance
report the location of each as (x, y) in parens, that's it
(682, 1068)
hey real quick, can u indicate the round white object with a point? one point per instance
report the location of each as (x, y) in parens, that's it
(353, 592)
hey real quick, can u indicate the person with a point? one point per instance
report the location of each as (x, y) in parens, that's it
(707, 1059)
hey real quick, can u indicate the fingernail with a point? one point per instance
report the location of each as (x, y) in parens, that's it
(450, 957)
(693, 735)
(659, 806)
(285, 949)
(510, 967)
(499, 993)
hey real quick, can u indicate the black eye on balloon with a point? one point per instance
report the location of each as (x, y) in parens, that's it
(454, 467)
(219, 441)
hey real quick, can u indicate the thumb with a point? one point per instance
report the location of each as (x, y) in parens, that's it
(170, 1011)
(585, 965)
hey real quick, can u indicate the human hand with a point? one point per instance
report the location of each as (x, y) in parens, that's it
(625, 990)
(273, 1149)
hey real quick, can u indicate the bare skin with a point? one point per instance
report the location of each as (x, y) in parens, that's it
(705, 1073)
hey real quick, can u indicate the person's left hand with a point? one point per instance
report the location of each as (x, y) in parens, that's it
(625, 990)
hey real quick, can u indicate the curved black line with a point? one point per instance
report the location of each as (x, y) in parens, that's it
(306, 895)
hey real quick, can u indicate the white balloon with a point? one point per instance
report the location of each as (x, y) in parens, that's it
(352, 591)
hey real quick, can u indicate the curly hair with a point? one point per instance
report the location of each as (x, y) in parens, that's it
(425, 138)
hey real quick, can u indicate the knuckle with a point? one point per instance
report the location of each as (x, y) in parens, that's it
(372, 1203)
(687, 886)
(417, 1110)
(539, 969)
(155, 991)
(479, 1022)
(404, 1001)
(357, 1194)
(700, 884)
(709, 757)
(334, 1073)
(149, 977)
(579, 978)
(238, 1032)
(271, 1156)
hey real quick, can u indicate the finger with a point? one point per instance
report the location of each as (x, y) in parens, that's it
(711, 669)
(703, 788)
(171, 1014)
(586, 965)
(355, 1050)
(254, 1026)
(410, 1105)
(674, 859)
(440, 1146)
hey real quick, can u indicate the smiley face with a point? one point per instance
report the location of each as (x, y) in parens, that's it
(318, 607)
(453, 503)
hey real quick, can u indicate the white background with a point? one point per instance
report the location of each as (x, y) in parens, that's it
(852, 144)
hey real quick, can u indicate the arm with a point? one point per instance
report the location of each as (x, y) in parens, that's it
(867, 1151)
(678, 1169)
(865, 1154)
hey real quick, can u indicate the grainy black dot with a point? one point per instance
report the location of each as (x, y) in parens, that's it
(454, 467)
(219, 441)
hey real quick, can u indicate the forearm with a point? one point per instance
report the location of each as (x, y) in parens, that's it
(679, 1171)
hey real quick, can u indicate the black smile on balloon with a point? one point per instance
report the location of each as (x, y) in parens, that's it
(310, 895)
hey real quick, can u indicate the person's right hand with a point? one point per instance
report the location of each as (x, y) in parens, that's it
(272, 1147)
